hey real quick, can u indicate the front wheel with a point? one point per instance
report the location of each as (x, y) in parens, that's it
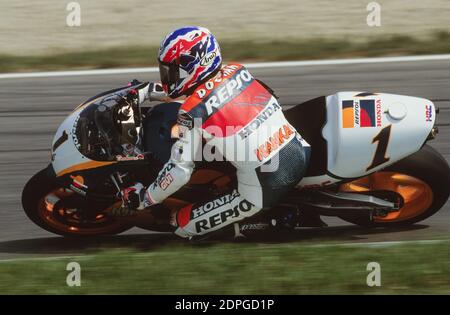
(43, 201)
(422, 180)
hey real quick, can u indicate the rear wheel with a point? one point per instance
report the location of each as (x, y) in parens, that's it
(43, 201)
(422, 180)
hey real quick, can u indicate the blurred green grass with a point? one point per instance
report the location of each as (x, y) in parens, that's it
(293, 268)
(236, 51)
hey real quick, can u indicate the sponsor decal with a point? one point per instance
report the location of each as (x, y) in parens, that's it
(259, 120)
(428, 113)
(357, 111)
(209, 85)
(78, 180)
(230, 89)
(121, 158)
(367, 113)
(162, 177)
(348, 114)
(362, 113)
(184, 119)
(166, 181)
(222, 217)
(274, 142)
(214, 204)
(378, 110)
(78, 185)
(74, 133)
(208, 59)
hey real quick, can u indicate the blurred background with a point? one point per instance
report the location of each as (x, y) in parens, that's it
(122, 28)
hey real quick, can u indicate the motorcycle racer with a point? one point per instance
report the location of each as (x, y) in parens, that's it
(228, 113)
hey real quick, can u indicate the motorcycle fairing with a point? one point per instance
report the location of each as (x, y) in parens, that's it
(75, 153)
(366, 132)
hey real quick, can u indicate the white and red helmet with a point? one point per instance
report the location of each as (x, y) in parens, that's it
(188, 57)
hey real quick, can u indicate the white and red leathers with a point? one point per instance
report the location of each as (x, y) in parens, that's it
(238, 117)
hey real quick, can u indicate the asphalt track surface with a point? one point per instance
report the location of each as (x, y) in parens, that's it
(32, 108)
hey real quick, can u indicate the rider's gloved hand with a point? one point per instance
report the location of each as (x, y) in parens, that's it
(134, 199)
(132, 97)
(128, 102)
(156, 92)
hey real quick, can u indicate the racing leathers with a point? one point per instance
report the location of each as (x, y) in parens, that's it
(231, 116)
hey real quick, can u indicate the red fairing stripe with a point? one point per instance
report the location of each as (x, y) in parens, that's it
(241, 110)
(184, 216)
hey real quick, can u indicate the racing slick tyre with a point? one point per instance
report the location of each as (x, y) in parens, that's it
(42, 200)
(422, 180)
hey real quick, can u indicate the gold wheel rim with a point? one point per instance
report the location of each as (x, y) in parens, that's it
(105, 224)
(417, 195)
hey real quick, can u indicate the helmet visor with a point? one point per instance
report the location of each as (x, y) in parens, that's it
(169, 74)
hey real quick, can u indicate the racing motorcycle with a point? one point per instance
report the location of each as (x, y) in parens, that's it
(369, 165)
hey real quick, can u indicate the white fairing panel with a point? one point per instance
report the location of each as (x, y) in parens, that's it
(366, 132)
(66, 154)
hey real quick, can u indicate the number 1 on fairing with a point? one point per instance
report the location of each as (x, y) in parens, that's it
(380, 153)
